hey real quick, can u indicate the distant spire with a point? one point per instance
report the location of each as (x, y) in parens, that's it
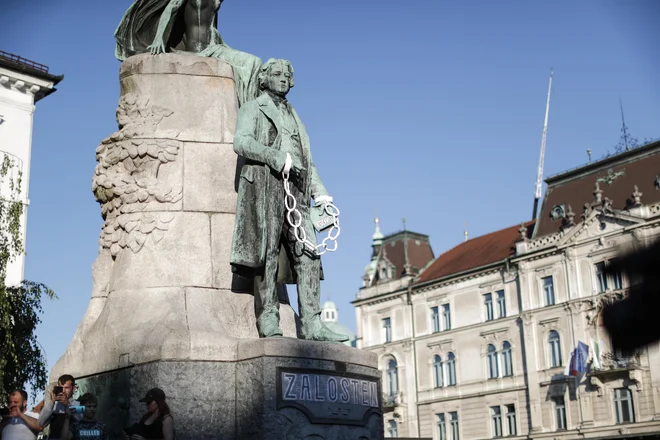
(624, 129)
(378, 236)
(465, 232)
(404, 223)
(589, 154)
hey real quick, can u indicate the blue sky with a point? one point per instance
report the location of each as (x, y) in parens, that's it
(429, 110)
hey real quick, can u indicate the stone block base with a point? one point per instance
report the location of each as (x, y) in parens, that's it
(277, 389)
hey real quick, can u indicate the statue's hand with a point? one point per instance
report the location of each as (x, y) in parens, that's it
(299, 171)
(322, 199)
(157, 47)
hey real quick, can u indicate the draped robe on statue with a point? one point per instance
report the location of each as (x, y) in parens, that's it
(137, 30)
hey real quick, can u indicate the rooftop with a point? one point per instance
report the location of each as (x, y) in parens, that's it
(617, 177)
(29, 67)
(475, 253)
(407, 247)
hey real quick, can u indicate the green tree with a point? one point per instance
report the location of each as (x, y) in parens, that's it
(22, 361)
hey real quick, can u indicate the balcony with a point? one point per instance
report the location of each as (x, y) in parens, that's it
(613, 361)
(391, 401)
(613, 366)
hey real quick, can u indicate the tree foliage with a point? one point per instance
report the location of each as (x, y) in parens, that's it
(21, 361)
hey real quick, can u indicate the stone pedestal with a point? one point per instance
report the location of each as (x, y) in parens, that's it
(165, 311)
(276, 389)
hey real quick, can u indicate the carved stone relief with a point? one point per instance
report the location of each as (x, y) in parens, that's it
(126, 180)
(527, 318)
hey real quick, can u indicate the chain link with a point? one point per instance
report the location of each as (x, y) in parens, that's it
(294, 218)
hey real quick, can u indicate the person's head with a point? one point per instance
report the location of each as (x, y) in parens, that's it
(68, 384)
(276, 76)
(18, 399)
(155, 401)
(90, 402)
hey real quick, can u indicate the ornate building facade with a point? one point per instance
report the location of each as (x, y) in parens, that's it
(476, 344)
(22, 84)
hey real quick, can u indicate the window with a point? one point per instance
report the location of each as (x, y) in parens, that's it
(554, 345)
(451, 369)
(493, 370)
(488, 302)
(453, 421)
(618, 280)
(501, 304)
(437, 371)
(496, 419)
(548, 290)
(507, 359)
(511, 420)
(392, 430)
(387, 330)
(623, 406)
(392, 377)
(435, 317)
(442, 428)
(601, 277)
(560, 413)
(446, 316)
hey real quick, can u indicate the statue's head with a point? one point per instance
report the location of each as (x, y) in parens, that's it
(276, 76)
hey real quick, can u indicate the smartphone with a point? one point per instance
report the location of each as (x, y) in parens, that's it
(77, 409)
(57, 390)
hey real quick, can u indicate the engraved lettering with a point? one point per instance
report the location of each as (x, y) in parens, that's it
(317, 392)
(345, 394)
(365, 393)
(304, 392)
(289, 395)
(374, 394)
(355, 391)
(332, 389)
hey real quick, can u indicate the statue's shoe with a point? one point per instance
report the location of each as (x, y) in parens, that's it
(269, 330)
(317, 331)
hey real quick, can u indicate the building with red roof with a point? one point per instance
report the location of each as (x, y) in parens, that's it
(477, 342)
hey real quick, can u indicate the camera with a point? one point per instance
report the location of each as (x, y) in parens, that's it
(57, 390)
(77, 409)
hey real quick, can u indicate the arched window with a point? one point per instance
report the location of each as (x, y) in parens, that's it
(392, 377)
(392, 430)
(437, 371)
(507, 359)
(554, 346)
(451, 369)
(493, 368)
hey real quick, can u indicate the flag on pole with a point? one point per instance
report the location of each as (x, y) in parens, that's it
(596, 364)
(583, 350)
(567, 370)
(579, 359)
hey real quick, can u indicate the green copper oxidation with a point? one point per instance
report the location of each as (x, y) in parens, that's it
(264, 247)
(159, 26)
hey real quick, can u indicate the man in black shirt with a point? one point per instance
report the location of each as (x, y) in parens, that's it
(88, 428)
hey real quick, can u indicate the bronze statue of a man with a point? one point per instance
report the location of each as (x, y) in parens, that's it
(272, 140)
(159, 26)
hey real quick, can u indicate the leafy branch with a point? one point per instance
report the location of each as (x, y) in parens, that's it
(22, 361)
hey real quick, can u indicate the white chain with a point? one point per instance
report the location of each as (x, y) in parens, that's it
(294, 218)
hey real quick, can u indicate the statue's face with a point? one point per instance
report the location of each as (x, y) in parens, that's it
(279, 79)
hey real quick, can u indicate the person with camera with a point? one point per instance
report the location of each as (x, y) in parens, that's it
(19, 424)
(86, 429)
(54, 411)
(157, 423)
